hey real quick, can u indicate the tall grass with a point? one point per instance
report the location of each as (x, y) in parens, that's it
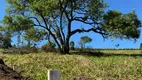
(77, 66)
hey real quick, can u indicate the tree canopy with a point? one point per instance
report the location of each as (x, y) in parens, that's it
(5, 39)
(55, 18)
(84, 40)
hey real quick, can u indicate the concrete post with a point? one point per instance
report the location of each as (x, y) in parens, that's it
(54, 75)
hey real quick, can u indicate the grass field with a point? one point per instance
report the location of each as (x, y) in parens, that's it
(119, 65)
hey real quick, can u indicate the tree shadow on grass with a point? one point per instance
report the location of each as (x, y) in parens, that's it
(130, 55)
(88, 53)
(101, 54)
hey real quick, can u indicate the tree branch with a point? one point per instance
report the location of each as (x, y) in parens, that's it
(65, 11)
(35, 19)
(85, 21)
(40, 26)
(51, 32)
(37, 22)
(89, 30)
(61, 19)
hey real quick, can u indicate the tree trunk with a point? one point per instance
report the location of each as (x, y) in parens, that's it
(65, 48)
(67, 45)
(29, 43)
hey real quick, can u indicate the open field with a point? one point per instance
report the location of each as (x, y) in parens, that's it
(122, 51)
(125, 65)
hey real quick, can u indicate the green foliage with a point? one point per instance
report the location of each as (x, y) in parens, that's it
(96, 9)
(72, 45)
(6, 43)
(5, 40)
(55, 17)
(122, 25)
(35, 34)
(17, 23)
(25, 26)
(84, 40)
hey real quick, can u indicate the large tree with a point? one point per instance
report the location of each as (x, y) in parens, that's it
(57, 17)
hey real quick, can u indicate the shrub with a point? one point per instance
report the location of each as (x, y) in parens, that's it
(15, 51)
(72, 45)
(5, 41)
(33, 50)
(49, 47)
(21, 50)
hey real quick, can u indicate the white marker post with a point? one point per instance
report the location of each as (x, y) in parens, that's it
(53, 74)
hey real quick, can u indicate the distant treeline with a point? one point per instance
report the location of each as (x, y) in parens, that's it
(117, 49)
(108, 49)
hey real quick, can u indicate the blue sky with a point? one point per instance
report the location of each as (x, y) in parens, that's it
(124, 6)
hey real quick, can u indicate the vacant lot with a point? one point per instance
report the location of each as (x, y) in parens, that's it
(118, 65)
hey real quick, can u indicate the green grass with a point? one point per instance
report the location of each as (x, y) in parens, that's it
(79, 66)
(1, 50)
(122, 51)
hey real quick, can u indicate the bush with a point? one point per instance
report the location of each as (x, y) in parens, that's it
(49, 47)
(16, 51)
(5, 41)
(72, 45)
(21, 50)
(33, 50)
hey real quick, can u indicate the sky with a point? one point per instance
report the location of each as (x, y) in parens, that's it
(124, 6)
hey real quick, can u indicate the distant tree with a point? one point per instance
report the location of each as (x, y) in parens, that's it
(5, 38)
(84, 40)
(141, 46)
(18, 39)
(72, 45)
(5, 41)
(117, 45)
